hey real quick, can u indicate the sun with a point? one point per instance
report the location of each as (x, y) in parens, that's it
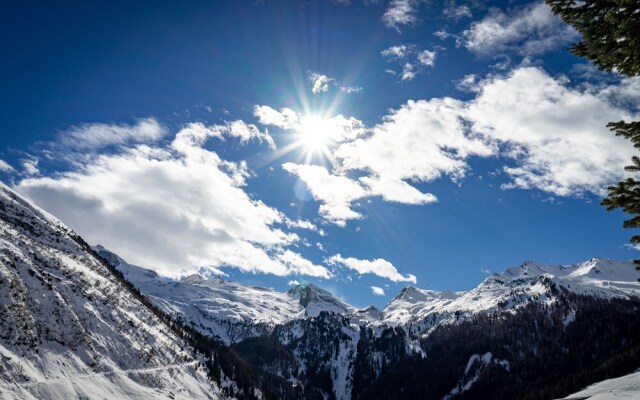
(313, 137)
(314, 134)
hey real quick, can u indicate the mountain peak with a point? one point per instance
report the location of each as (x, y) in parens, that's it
(71, 328)
(193, 279)
(315, 300)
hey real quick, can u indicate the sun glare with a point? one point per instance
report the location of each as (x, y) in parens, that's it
(313, 138)
(314, 133)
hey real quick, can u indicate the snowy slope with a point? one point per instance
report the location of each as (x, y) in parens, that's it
(513, 288)
(68, 329)
(232, 311)
(624, 388)
(226, 309)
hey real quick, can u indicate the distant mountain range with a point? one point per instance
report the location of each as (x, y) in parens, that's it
(80, 322)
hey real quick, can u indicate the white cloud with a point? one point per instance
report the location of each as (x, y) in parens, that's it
(443, 34)
(351, 89)
(427, 58)
(408, 72)
(293, 282)
(529, 30)
(456, 12)
(97, 136)
(469, 83)
(5, 167)
(420, 142)
(556, 135)
(174, 207)
(336, 192)
(301, 224)
(337, 129)
(401, 12)
(379, 267)
(320, 83)
(302, 266)
(377, 291)
(412, 59)
(286, 118)
(30, 166)
(196, 133)
(245, 132)
(550, 137)
(397, 52)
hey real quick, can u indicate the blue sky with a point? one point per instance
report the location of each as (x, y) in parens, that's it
(351, 144)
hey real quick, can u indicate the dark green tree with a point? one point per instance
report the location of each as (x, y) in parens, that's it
(610, 32)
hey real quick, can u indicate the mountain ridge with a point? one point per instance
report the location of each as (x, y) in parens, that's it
(301, 344)
(69, 330)
(509, 289)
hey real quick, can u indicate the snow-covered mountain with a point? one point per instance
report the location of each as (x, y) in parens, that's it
(233, 311)
(330, 341)
(75, 326)
(513, 288)
(68, 329)
(224, 309)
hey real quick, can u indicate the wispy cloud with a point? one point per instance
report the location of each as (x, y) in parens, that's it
(100, 135)
(321, 83)
(351, 89)
(301, 266)
(30, 166)
(427, 58)
(469, 83)
(456, 12)
(529, 30)
(286, 118)
(379, 267)
(401, 13)
(5, 167)
(377, 291)
(397, 52)
(411, 59)
(336, 192)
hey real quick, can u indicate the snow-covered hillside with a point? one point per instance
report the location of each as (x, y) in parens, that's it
(225, 309)
(624, 388)
(514, 288)
(336, 347)
(233, 311)
(69, 330)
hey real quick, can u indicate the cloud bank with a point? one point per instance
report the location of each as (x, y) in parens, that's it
(549, 135)
(173, 207)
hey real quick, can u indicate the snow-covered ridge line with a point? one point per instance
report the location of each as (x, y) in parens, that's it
(513, 288)
(232, 311)
(67, 327)
(225, 309)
